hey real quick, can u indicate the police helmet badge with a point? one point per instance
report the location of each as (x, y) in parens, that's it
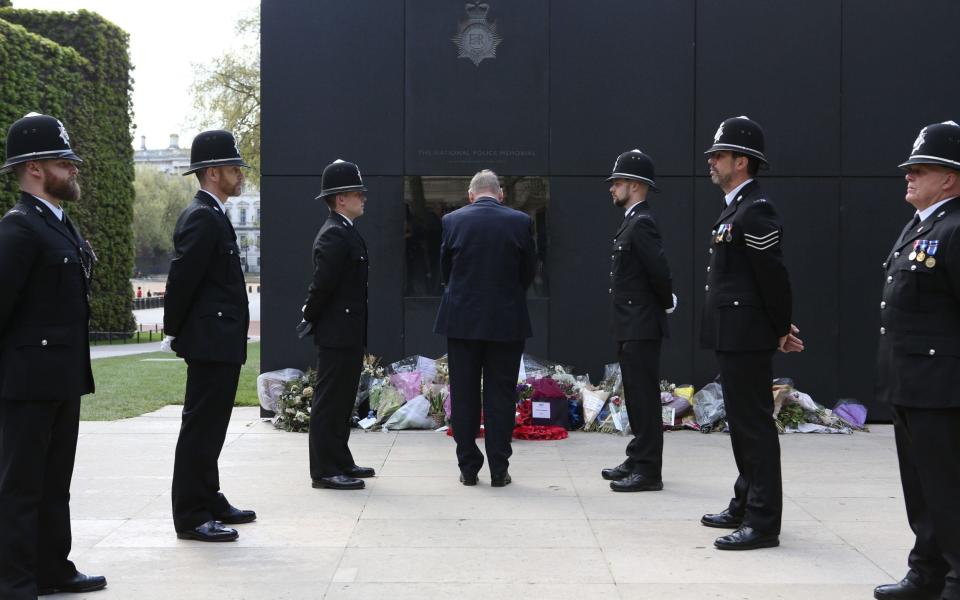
(477, 38)
(920, 140)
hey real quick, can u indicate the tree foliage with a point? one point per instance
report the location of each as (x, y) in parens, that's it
(76, 67)
(227, 93)
(159, 199)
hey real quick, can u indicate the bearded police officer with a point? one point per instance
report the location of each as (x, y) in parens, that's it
(746, 317)
(641, 295)
(206, 318)
(45, 273)
(918, 361)
(336, 310)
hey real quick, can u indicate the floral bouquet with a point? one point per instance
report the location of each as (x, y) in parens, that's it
(293, 406)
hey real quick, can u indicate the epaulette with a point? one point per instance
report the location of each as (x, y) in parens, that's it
(14, 211)
(759, 200)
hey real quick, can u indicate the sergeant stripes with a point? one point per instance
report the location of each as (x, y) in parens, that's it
(762, 242)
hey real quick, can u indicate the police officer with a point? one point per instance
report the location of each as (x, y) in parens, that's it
(206, 319)
(336, 309)
(746, 317)
(45, 273)
(640, 295)
(917, 363)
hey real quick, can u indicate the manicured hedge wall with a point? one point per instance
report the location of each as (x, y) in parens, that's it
(76, 67)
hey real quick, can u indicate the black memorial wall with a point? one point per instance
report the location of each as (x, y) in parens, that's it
(841, 88)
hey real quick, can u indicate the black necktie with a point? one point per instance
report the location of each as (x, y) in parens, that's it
(909, 228)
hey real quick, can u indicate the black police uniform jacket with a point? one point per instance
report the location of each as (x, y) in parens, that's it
(337, 297)
(487, 261)
(748, 298)
(640, 284)
(205, 307)
(919, 348)
(45, 269)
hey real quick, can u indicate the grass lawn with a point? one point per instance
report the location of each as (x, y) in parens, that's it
(128, 386)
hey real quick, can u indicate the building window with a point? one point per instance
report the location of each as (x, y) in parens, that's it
(243, 215)
(427, 199)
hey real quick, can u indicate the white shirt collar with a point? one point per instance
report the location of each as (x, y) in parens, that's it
(629, 209)
(53, 208)
(733, 193)
(932, 209)
(221, 205)
(344, 217)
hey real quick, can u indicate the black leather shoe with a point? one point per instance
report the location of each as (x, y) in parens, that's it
(77, 584)
(907, 589)
(723, 520)
(235, 516)
(747, 538)
(468, 479)
(635, 482)
(500, 480)
(360, 472)
(211, 531)
(339, 482)
(616, 473)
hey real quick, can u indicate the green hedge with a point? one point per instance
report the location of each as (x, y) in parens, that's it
(76, 67)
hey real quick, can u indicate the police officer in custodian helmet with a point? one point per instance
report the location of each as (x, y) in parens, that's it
(746, 317)
(918, 364)
(45, 271)
(206, 318)
(640, 296)
(336, 310)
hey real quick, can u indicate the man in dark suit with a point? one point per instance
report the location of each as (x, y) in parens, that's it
(487, 261)
(45, 273)
(336, 310)
(918, 359)
(206, 319)
(746, 317)
(640, 297)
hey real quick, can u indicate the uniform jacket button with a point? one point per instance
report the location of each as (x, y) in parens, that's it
(619, 247)
(932, 351)
(883, 331)
(706, 288)
(896, 255)
(346, 310)
(708, 269)
(629, 301)
(913, 267)
(736, 303)
(883, 304)
(66, 260)
(711, 250)
(611, 273)
(43, 342)
(889, 278)
(610, 291)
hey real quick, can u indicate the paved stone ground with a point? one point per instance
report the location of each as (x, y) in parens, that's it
(557, 532)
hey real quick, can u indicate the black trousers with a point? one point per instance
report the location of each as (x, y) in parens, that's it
(497, 364)
(338, 375)
(928, 449)
(640, 368)
(758, 493)
(38, 444)
(211, 392)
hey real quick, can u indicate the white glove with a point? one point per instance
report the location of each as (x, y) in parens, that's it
(165, 344)
(669, 311)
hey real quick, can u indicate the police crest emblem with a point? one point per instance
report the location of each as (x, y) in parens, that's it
(477, 38)
(917, 143)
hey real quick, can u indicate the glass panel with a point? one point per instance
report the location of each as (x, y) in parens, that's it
(428, 198)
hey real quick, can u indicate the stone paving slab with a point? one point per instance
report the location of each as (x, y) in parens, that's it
(415, 532)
